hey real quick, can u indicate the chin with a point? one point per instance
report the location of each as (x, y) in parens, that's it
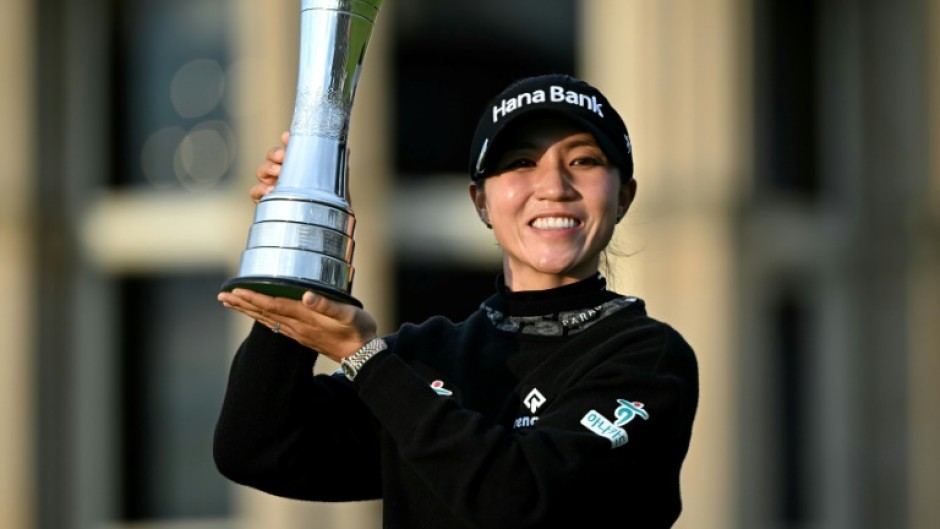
(560, 269)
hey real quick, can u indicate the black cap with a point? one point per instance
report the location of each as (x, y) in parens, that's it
(555, 93)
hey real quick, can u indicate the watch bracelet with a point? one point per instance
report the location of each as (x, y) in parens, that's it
(358, 359)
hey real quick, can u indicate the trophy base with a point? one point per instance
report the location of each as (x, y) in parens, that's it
(291, 288)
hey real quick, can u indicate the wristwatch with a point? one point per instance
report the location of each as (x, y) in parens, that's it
(354, 362)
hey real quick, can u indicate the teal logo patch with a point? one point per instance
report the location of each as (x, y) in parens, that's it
(613, 431)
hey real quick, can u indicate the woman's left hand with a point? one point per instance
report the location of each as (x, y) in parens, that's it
(332, 328)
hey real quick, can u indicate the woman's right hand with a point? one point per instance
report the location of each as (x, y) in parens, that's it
(269, 170)
(332, 328)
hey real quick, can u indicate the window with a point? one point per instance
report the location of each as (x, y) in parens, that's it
(171, 86)
(790, 317)
(173, 342)
(452, 57)
(786, 69)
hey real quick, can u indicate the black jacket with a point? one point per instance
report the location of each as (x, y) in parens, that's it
(508, 419)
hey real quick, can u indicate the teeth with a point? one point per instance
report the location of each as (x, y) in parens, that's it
(554, 223)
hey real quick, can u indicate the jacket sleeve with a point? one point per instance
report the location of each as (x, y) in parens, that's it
(283, 430)
(609, 440)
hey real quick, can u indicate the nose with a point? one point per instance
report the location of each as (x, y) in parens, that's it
(554, 181)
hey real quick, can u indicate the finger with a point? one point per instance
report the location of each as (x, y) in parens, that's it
(259, 306)
(284, 325)
(244, 296)
(312, 309)
(285, 136)
(271, 307)
(268, 171)
(253, 313)
(229, 298)
(276, 154)
(234, 302)
(258, 191)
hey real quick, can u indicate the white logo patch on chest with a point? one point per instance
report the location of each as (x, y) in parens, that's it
(534, 400)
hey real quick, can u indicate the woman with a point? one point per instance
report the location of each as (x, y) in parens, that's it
(558, 403)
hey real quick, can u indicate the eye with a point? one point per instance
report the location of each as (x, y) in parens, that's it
(587, 156)
(589, 161)
(516, 163)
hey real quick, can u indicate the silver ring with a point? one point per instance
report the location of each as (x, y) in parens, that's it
(277, 327)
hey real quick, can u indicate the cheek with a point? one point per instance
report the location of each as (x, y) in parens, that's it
(605, 201)
(503, 200)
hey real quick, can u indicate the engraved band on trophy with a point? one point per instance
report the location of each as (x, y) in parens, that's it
(302, 235)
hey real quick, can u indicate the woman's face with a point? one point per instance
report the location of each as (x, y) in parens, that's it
(553, 201)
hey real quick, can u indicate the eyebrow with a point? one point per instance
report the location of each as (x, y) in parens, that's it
(585, 141)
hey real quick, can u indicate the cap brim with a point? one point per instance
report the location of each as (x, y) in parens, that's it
(491, 143)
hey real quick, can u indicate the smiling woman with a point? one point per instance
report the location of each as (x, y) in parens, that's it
(536, 393)
(552, 200)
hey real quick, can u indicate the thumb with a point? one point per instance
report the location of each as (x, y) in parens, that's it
(325, 306)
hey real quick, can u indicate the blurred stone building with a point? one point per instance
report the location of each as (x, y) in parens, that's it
(787, 222)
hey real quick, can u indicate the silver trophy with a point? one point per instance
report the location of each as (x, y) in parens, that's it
(302, 235)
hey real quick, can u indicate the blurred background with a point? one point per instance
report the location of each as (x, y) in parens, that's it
(787, 223)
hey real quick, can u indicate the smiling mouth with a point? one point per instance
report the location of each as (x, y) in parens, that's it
(554, 223)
